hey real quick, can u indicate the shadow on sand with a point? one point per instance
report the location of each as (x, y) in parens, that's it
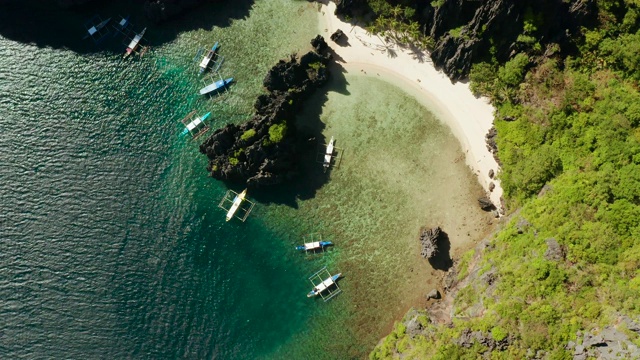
(45, 24)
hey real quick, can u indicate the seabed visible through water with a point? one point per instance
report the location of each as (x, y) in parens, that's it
(111, 241)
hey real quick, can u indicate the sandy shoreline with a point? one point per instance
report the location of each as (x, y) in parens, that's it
(468, 117)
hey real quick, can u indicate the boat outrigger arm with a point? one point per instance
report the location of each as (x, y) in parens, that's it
(210, 54)
(328, 154)
(236, 205)
(327, 288)
(195, 125)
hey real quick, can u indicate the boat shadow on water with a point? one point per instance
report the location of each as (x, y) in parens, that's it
(48, 24)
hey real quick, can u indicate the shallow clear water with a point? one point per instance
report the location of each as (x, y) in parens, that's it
(111, 242)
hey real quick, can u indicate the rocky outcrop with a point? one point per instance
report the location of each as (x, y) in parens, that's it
(468, 31)
(433, 294)
(337, 35)
(429, 242)
(263, 151)
(468, 338)
(492, 146)
(486, 204)
(161, 10)
(608, 344)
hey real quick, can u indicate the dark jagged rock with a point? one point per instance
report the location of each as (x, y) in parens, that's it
(468, 338)
(490, 28)
(481, 21)
(492, 186)
(319, 44)
(486, 204)
(351, 7)
(264, 150)
(337, 36)
(429, 241)
(492, 146)
(491, 173)
(161, 10)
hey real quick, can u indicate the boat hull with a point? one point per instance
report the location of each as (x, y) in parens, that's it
(314, 292)
(204, 64)
(215, 86)
(237, 201)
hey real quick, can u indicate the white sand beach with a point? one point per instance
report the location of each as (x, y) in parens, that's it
(469, 118)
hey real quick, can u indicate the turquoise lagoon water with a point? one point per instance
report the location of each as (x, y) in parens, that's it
(111, 242)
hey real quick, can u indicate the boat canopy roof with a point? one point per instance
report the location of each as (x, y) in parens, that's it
(135, 41)
(192, 125)
(312, 245)
(207, 58)
(324, 285)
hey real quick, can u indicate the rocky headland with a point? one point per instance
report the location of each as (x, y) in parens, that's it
(264, 151)
(467, 31)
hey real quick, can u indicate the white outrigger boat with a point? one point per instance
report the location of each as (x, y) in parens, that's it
(237, 201)
(236, 205)
(209, 56)
(313, 246)
(195, 125)
(328, 154)
(328, 286)
(135, 42)
(313, 243)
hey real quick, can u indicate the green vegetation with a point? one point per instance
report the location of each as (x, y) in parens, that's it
(317, 66)
(247, 135)
(574, 126)
(457, 32)
(277, 132)
(398, 23)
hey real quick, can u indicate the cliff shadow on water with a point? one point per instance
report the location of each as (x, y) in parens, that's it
(52, 24)
(278, 154)
(442, 259)
(311, 141)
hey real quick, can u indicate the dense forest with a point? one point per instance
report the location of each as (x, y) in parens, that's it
(560, 279)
